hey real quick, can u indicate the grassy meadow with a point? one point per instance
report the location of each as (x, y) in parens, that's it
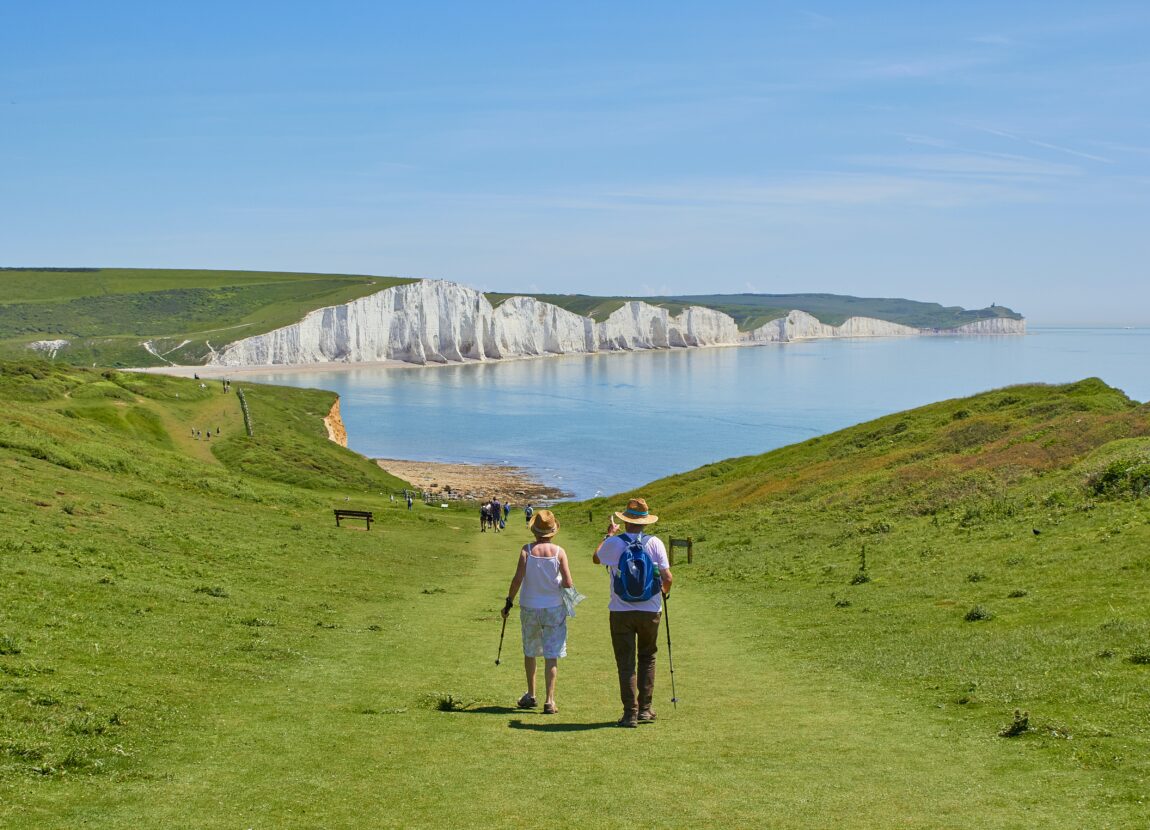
(186, 639)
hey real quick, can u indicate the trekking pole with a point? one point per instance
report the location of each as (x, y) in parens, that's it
(503, 629)
(670, 662)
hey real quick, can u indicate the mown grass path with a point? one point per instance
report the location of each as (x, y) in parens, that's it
(348, 736)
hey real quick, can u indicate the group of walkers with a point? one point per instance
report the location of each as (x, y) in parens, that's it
(640, 582)
(493, 515)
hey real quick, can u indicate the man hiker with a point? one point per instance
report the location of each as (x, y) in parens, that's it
(640, 578)
(496, 511)
(527, 511)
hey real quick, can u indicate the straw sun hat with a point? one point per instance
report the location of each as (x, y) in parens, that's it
(544, 524)
(637, 513)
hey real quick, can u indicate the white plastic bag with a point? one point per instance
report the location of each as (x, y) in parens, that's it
(571, 598)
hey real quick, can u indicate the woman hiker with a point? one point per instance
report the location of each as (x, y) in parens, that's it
(542, 573)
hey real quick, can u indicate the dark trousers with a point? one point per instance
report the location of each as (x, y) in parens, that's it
(635, 638)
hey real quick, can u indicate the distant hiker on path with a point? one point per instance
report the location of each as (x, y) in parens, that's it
(543, 573)
(640, 578)
(527, 511)
(484, 516)
(496, 511)
(506, 511)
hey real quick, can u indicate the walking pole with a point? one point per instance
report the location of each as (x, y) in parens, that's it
(501, 630)
(670, 662)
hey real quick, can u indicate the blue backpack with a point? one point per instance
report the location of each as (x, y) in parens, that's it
(636, 576)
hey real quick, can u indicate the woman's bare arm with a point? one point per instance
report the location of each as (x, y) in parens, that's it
(516, 581)
(565, 569)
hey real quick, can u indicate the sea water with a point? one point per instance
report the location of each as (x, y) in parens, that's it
(607, 423)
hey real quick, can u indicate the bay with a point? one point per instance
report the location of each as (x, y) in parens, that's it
(607, 423)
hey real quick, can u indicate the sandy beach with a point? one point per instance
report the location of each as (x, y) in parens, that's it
(477, 482)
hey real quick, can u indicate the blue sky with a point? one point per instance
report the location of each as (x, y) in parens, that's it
(964, 153)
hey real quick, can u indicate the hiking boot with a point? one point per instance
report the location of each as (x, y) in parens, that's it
(647, 716)
(628, 720)
(526, 702)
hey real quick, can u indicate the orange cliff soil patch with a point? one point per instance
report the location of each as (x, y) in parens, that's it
(336, 431)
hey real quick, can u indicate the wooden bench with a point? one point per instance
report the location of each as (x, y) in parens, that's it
(354, 514)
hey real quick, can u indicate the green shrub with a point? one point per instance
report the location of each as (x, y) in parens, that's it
(1125, 477)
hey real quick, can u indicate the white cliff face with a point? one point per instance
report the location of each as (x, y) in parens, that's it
(798, 325)
(434, 321)
(638, 325)
(526, 326)
(993, 325)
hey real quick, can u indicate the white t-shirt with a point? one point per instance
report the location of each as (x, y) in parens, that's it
(609, 555)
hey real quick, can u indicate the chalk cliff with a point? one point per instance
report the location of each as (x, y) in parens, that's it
(992, 325)
(798, 325)
(434, 321)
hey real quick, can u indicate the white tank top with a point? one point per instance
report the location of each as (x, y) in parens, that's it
(542, 584)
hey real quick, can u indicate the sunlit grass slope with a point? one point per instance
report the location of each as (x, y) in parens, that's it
(106, 313)
(975, 556)
(186, 639)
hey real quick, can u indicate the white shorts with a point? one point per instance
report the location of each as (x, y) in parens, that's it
(544, 631)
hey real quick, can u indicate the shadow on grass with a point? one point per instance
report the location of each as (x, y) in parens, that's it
(560, 727)
(488, 710)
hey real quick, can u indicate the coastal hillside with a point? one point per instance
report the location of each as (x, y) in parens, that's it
(155, 317)
(749, 311)
(189, 640)
(976, 556)
(149, 317)
(435, 321)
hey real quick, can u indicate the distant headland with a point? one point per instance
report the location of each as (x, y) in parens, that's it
(243, 318)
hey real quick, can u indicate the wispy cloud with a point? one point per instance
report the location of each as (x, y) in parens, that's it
(829, 190)
(1037, 143)
(967, 164)
(922, 68)
(994, 39)
(817, 21)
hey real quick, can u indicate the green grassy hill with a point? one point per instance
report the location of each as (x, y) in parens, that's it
(188, 640)
(107, 312)
(973, 556)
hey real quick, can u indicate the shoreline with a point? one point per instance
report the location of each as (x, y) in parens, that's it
(473, 482)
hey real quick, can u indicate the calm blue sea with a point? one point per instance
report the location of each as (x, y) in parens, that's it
(607, 423)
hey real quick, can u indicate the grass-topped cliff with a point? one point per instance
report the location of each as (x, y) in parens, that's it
(750, 311)
(149, 317)
(106, 313)
(188, 640)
